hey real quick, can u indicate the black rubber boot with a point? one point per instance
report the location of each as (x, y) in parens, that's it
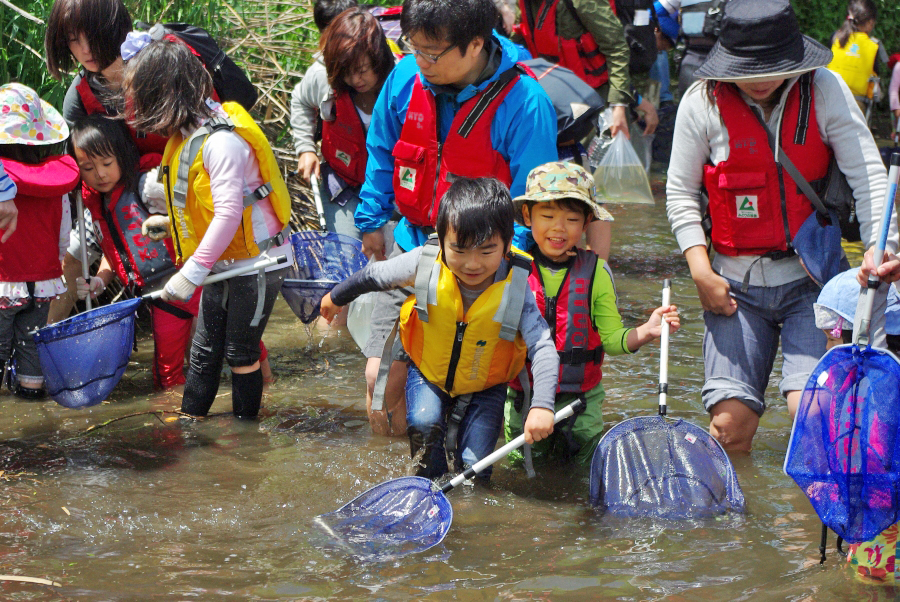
(246, 393)
(30, 394)
(418, 440)
(199, 393)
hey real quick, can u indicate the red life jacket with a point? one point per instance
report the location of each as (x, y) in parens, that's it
(344, 141)
(750, 214)
(32, 251)
(424, 167)
(581, 55)
(146, 143)
(138, 261)
(577, 340)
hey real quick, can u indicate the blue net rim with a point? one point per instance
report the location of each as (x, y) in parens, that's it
(87, 321)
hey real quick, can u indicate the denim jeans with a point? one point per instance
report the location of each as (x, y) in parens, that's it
(427, 407)
(739, 350)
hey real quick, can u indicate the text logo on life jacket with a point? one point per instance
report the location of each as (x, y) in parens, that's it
(342, 157)
(747, 206)
(408, 178)
(853, 51)
(480, 347)
(748, 143)
(419, 118)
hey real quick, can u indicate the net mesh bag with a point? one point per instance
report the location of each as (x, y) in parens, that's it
(83, 358)
(399, 517)
(843, 450)
(323, 260)
(650, 466)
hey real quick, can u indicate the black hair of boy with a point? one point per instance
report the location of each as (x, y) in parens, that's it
(476, 209)
(166, 87)
(456, 21)
(99, 136)
(104, 23)
(324, 11)
(567, 204)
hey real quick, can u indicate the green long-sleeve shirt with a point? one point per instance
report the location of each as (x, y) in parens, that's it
(608, 33)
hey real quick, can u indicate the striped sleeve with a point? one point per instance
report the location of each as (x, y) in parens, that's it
(7, 186)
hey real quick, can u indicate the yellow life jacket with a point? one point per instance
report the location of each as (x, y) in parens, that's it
(465, 353)
(189, 196)
(855, 62)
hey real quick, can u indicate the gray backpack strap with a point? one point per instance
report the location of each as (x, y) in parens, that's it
(264, 246)
(509, 312)
(391, 349)
(258, 194)
(427, 274)
(526, 405)
(189, 154)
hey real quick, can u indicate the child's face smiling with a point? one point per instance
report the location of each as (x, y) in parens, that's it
(100, 173)
(555, 229)
(474, 267)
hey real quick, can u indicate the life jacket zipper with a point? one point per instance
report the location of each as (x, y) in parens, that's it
(169, 196)
(454, 355)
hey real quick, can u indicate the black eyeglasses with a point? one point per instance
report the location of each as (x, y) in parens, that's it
(432, 58)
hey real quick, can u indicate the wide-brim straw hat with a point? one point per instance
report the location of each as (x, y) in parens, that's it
(760, 40)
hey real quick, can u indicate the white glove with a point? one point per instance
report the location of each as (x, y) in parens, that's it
(178, 288)
(156, 227)
(153, 193)
(95, 287)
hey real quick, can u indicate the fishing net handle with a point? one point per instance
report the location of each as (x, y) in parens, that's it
(664, 349)
(516, 443)
(247, 269)
(863, 316)
(317, 199)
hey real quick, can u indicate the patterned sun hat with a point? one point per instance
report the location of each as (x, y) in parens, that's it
(560, 180)
(26, 119)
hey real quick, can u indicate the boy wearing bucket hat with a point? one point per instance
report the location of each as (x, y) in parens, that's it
(32, 136)
(763, 76)
(575, 292)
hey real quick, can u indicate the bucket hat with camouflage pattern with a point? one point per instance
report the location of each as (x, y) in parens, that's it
(560, 180)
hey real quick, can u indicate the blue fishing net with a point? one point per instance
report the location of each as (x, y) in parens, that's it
(843, 451)
(651, 466)
(323, 260)
(396, 518)
(83, 358)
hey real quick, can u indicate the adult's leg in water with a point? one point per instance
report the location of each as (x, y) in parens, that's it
(733, 424)
(207, 352)
(425, 407)
(242, 341)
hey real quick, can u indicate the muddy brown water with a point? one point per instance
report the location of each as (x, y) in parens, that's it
(142, 509)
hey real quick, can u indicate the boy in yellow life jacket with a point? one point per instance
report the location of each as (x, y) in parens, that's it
(575, 292)
(468, 329)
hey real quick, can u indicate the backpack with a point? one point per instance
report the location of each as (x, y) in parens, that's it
(639, 21)
(576, 103)
(229, 80)
(702, 18)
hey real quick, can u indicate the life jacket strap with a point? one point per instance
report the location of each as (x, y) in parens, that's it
(512, 302)
(427, 275)
(454, 419)
(523, 410)
(189, 154)
(392, 347)
(580, 356)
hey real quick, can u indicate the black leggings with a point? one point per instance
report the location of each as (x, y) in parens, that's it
(224, 333)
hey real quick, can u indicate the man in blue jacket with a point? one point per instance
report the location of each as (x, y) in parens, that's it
(458, 107)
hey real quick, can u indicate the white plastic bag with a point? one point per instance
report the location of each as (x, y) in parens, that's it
(620, 177)
(359, 315)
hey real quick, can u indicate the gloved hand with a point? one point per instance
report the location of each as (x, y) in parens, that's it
(153, 193)
(156, 227)
(178, 288)
(95, 287)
